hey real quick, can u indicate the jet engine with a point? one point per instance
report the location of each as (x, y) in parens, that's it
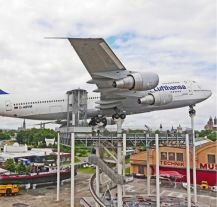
(138, 81)
(156, 99)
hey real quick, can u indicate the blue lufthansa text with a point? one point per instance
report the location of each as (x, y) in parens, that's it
(166, 88)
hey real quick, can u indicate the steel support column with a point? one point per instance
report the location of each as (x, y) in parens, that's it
(119, 168)
(192, 114)
(119, 123)
(188, 171)
(157, 172)
(97, 174)
(72, 163)
(124, 156)
(148, 171)
(58, 166)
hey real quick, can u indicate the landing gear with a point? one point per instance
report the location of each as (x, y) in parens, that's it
(192, 111)
(122, 116)
(98, 120)
(119, 115)
(102, 121)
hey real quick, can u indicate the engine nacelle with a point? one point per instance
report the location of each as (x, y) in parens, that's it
(138, 81)
(156, 99)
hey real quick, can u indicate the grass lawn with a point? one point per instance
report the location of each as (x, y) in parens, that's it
(89, 170)
(69, 162)
(77, 160)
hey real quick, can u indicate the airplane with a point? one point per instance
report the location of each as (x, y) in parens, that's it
(119, 92)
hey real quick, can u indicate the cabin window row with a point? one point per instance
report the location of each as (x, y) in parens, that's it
(93, 98)
(172, 156)
(175, 91)
(171, 83)
(39, 102)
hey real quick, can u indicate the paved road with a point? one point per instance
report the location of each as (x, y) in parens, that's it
(206, 199)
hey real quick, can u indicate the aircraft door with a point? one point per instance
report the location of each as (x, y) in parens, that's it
(190, 88)
(8, 106)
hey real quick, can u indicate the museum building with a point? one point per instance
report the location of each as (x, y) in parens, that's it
(173, 159)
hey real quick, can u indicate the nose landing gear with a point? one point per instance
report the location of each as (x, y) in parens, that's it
(192, 111)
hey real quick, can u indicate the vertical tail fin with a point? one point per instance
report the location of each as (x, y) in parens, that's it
(2, 92)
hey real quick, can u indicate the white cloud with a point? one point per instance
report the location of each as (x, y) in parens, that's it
(176, 39)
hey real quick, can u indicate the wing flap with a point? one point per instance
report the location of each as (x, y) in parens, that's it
(105, 90)
(114, 75)
(109, 106)
(107, 102)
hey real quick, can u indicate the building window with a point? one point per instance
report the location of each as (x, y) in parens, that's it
(141, 169)
(163, 155)
(211, 158)
(179, 156)
(171, 156)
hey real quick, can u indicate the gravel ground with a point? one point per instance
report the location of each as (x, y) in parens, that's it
(46, 196)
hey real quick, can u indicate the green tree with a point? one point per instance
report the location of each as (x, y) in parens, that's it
(35, 136)
(21, 168)
(4, 136)
(204, 133)
(64, 148)
(51, 157)
(10, 165)
(212, 136)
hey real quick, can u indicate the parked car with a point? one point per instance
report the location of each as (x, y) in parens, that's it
(204, 185)
(213, 188)
(185, 185)
(9, 189)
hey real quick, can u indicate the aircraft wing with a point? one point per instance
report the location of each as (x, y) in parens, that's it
(96, 55)
(104, 67)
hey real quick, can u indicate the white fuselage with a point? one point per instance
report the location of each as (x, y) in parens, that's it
(54, 106)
